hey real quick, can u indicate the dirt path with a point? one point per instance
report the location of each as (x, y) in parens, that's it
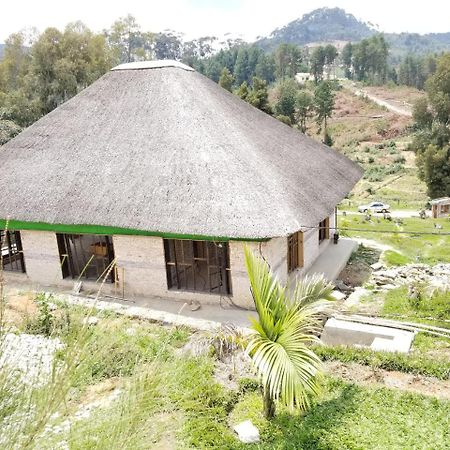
(367, 376)
(403, 109)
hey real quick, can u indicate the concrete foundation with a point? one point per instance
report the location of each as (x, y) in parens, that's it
(375, 337)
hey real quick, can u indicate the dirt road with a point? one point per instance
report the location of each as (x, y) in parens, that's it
(401, 108)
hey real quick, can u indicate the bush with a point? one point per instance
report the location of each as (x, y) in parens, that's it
(285, 119)
(48, 321)
(400, 159)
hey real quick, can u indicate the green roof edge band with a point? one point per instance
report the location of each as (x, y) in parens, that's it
(109, 230)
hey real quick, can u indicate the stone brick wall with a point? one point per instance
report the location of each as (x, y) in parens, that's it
(141, 265)
(42, 263)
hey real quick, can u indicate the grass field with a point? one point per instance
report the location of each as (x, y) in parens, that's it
(430, 248)
(170, 400)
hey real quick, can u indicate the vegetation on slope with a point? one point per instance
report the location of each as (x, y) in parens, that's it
(149, 394)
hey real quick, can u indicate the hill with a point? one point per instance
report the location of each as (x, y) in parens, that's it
(324, 24)
(335, 24)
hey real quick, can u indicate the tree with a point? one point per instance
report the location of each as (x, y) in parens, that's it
(438, 90)
(432, 139)
(15, 62)
(265, 69)
(168, 45)
(285, 106)
(64, 63)
(241, 69)
(317, 62)
(213, 70)
(127, 40)
(330, 55)
(288, 59)
(287, 323)
(304, 103)
(434, 169)
(259, 95)
(8, 130)
(243, 91)
(369, 59)
(226, 79)
(346, 57)
(324, 105)
(422, 114)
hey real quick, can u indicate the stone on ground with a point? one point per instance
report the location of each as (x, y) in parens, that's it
(247, 432)
(338, 295)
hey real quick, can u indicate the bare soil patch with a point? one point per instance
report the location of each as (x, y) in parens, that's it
(367, 376)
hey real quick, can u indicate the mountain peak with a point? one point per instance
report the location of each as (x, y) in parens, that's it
(320, 25)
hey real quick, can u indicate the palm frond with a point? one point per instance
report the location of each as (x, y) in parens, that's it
(285, 328)
(312, 288)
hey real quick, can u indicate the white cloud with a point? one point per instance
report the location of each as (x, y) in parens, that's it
(249, 18)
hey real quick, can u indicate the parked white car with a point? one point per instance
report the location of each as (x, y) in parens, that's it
(376, 207)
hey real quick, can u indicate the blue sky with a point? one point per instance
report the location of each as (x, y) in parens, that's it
(248, 18)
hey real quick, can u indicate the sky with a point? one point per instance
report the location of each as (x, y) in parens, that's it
(195, 18)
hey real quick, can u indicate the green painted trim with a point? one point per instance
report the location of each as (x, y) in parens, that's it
(107, 230)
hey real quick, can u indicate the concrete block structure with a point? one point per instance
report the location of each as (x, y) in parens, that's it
(153, 179)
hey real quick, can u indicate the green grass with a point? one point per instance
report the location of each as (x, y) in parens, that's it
(352, 417)
(393, 258)
(430, 248)
(435, 306)
(173, 401)
(344, 416)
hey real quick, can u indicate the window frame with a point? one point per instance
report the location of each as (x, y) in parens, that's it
(71, 268)
(14, 251)
(295, 253)
(324, 230)
(184, 258)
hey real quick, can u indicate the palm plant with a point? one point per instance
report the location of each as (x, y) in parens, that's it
(287, 323)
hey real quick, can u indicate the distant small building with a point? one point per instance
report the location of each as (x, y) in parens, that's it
(303, 77)
(440, 207)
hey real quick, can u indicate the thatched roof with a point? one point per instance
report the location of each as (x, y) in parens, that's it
(165, 149)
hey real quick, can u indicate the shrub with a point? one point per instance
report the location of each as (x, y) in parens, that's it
(48, 321)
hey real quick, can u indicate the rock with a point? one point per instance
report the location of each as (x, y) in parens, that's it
(194, 305)
(90, 320)
(247, 432)
(388, 287)
(355, 297)
(338, 295)
(376, 266)
(131, 331)
(339, 284)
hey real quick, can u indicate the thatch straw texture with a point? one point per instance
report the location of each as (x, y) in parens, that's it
(168, 150)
